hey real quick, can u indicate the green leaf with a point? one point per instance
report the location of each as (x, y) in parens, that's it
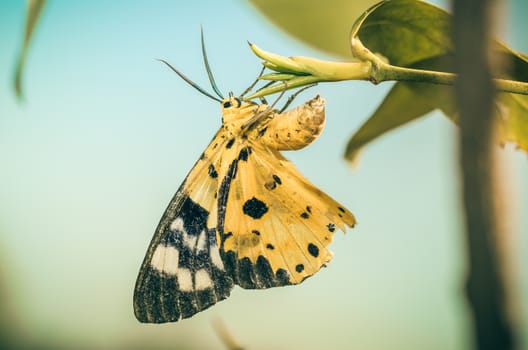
(34, 10)
(414, 34)
(401, 100)
(405, 31)
(324, 25)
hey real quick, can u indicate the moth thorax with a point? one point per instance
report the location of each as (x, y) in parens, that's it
(239, 114)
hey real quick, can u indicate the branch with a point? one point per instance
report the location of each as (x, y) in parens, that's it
(298, 71)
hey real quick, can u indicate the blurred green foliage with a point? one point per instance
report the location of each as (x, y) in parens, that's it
(34, 10)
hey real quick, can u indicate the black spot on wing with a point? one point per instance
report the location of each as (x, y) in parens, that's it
(270, 246)
(331, 227)
(255, 208)
(341, 209)
(194, 217)
(283, 277)
(262, 132)
(277, 179)
(305, 215)
(313, 250)
(265, 273)
(212, 171)
(244, 153)
(246, 274)
(255, 232)
(230, 143)
(299, 268)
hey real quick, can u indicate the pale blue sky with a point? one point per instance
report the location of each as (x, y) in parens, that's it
(107, 134)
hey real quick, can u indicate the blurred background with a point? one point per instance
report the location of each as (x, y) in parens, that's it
(105, 135)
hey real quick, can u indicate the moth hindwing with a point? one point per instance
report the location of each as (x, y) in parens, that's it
(244, 215)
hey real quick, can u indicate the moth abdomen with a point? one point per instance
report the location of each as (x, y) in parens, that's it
(295, 128)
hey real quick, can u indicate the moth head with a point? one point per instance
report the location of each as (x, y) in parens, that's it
(234, 110)
(230, 102)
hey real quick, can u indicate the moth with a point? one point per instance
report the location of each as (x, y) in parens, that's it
(244, 214)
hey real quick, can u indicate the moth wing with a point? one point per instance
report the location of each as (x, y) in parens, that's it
(278, 225)
(182, 272)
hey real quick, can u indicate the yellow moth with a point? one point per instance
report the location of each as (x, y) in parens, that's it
(243, 215)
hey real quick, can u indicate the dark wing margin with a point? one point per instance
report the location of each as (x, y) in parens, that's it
(182, 272)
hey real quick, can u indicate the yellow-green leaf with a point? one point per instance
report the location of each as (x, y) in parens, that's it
(33, 12)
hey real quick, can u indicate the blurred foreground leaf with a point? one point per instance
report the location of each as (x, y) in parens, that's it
(34, 9)
(322, 25)
(414, 34)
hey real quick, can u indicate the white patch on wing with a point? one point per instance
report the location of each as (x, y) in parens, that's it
(202, 241)
(185, 280)
(202, 280)
(165, 259)
(188, 240)
(177, 224)
(215, 257)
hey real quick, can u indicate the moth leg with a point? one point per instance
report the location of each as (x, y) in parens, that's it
(293, 96)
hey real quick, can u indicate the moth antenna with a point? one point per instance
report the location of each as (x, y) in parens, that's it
(293, 96)
(208, 68)
(190, 82)
(250, 87)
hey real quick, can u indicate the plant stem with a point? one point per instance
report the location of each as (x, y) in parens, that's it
(299, 71)
(390, 72)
